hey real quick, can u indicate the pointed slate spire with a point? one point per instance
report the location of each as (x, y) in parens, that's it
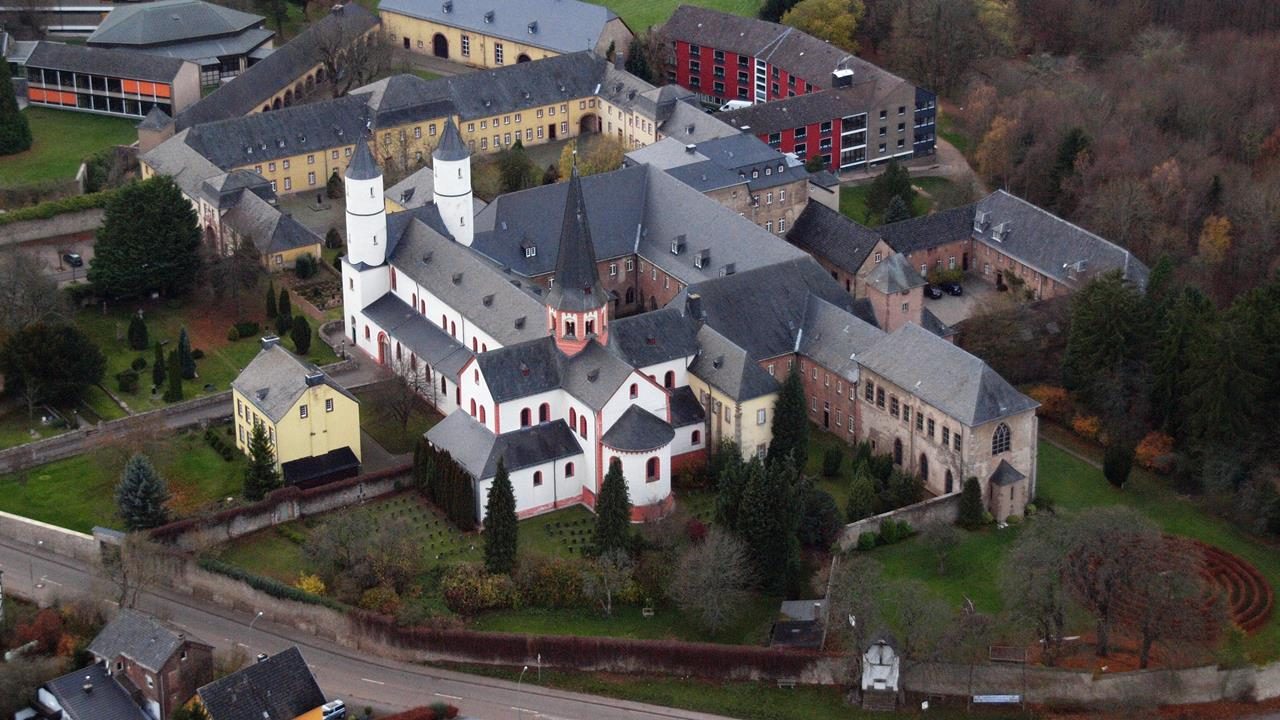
(577, 283)
(451, 146)
(363, 166)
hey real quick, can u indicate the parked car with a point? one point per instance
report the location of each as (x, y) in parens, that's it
(73, 259)
(952, 288)
(932, 292)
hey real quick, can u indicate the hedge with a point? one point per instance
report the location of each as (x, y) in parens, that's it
(274, 588)
(53, 208)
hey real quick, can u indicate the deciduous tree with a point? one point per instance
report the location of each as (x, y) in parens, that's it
(713, 580)
(606, 575)
(835, 21)
(1105, 554)
(1033, 586)
(501, 526)
(149, 241)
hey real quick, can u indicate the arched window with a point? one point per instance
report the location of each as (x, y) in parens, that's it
(544, 412)
(444, 385)
(399, 352)
(537, 478)
(415, 299)
(453, 329)
(393, 274)
(573, 418)
(423, 303)
(635, 391)
(481, 414)
(582, 426)
(475, 345)
(444, 322)
(897, 451)
(669, 380)
(950, 483)
(696, 438)
(473, 407)
(413, 362)
(652, 469)
(366, 332)
(484, 347)
(924, 468)
(1000, 440)
(526, 417)
(568, 470)
(631, 295)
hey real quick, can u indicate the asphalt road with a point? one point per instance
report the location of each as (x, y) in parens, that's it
(385, 685)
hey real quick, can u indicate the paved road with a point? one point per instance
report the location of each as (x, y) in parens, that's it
(385, 685)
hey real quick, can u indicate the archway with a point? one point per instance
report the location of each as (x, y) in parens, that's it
(319, 75)
(897, 451)
(277, 104)
(522, 58)
(383, 347)
(950, 483)
(288, 98)
(406, 42)
(440, 46)
(924, 469)
(311, 83)
(589, 124)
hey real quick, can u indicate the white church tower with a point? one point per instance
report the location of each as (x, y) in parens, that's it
(451, 174)
(366, 209)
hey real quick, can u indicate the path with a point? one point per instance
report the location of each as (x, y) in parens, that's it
(947, 162)
(357, 678)
(1071, 451)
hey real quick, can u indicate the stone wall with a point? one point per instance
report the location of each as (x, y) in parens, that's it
(73, 226)
(51, 538)
(934, 511)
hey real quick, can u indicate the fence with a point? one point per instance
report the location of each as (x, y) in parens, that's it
(934, 511)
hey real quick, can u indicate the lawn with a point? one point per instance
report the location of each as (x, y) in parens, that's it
(78, 493)
(853, 198)
(947, 131)
(642, 14)
(377, 420)
(16, 427)
(61, 140)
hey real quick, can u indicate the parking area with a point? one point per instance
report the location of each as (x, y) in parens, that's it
(977, 295)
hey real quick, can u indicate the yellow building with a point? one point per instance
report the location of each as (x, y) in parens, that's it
(488, 34)
(736, 394)
(313, 423)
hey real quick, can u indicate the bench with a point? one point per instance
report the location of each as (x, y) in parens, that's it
(787, 683)
(997, 699)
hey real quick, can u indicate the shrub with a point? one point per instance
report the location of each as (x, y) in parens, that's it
(1055, 403)
(139, 364)
(127, 381)
(894, 531)
(248, 329)
(294, 537)
(380, 599)
(988, 518)
(1043, 503)
(304, 267)
(1031, 509)
(831, 461)
(197, 354)
(868, 541)
(1155, 452)
(1117, 463)
(52, 208)
(971, 511)
(270, 586)
(1014, 519)
(550, 583)
(310, 584)
(695, 530)
(233, 334)
(938, 276)
(332, 238)
(468, 589)
(1087, 427)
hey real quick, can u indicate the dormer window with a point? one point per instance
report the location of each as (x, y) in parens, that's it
(591, 327)
(570, 328)
(702, 259)
(488, 17)
(677, 245)
(531, 251)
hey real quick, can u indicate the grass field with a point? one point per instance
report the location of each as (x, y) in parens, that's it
(79, 492)
(947, 131)
(642, 14)
(61, 140)
(387, 430)
(853, 198)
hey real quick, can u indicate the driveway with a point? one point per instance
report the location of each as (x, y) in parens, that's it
(977, 295)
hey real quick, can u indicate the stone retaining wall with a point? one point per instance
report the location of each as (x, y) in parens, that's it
(51, 538)
(934, 511)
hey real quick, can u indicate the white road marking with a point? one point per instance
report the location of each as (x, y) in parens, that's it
(375, 682)
(451, 697)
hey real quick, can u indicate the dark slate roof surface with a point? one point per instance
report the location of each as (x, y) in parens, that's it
(363, 166)
(577, 282)
(561, 25)
(275, 378)
(104, 61)
(265, 136)
(1006, 474)
(729, 368)
(816, 107)
(830, 235)
(531, 446)
(929, 231)
(894, 274)
(420, 336)
(638, 430)
(653, 337)
(451, 147)
(107, 701)
(168, 21)
(139, 637)
(685, 408)
(517, 371)
(280, 686)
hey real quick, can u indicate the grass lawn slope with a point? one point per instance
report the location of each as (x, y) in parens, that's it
(60, 141)
(642, 14)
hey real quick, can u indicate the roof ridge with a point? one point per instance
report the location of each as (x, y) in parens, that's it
(1059, 218)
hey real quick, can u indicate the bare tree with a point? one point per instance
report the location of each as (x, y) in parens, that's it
(1031, 582)
(133, 568)
(713, 579)
(941, 539)
(854, 602)
(351, 58)
(1107, 552)
(605, 576)
(1169, 594)
(27, 294)
(401, 394)
(917, 619)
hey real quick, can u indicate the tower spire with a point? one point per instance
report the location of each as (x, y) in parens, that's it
(577, 282)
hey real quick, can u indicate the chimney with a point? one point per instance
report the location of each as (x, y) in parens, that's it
(842, 78)
(261, 657)
(691, 148)
(620, 60)
(314, 378)
(270, 341)
(337, 9)
(88, 685)
(693, 306)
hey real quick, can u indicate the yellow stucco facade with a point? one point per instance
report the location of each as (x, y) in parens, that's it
(467, 47)
(321, 419)
(747, 424)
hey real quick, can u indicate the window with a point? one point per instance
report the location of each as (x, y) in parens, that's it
(466, 45)
(906, 414)
(302, 411)
(271, 167)
(631, 264)
(955, 437)
(311, 178)
(919, 422)
(573, 417)
(568, 470)
(286, 164)
(328, 405)
(635, 391)
(613, 269)
(946, 436)
(931, 427)
(669, 380)
(652, 470)
(884, 114)
(893, 405)
(762, 416)
(880, 398)
(906, 307)
(537, 478)
(782, 226)
(582, 425)
(871, 391)
(544, 413)
(1000, 441)
(288, 183)
(696, 437)
(877, 257)
(526, 417)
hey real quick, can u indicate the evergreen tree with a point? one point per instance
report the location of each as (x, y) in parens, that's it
(862, 497)
(1073, 144)
(790, 422)
(15, 133)
(897, 210)
(895, 181)
(773, 10)
(1187, 317)
(300, 333)
(138, 332)
(158, 367)
(1117, 462)
(260, 475)
(613, 513)
(768, 521)
(333, 187)
(284, 313)
(141, 495)
(730, 475)
(333, 239)
(174, 374)
(149, 240)
(501, 527)
(272, 311)
(188, 363)
(972, 511)
(50, 362)
(1106, 344)
(1223, 390)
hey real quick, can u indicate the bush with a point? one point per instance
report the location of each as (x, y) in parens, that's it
(938, 276)
(248, 329)
(270, 586)
(1117, 463)
(894, 531)
(1014, 519)
(233, 334)
(550, 583)
(695, 530)
(971, 510)
(1031, 509)
(1043, 503)
(292, 536)
(381, 599)
(1055, 403)
(868, 541)
(1155, 452)
(310, 584)
(305, 267)
(988, 518)
(127, 381)
(831, 461)
(1087, 427)
(468, 589)
(139, 364)
(53, 208)
(197, 354)
(333, 239)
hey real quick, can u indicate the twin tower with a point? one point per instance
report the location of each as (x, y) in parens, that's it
(366, 208)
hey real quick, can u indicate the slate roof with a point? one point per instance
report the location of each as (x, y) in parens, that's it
(689, 123)
(280, 686)
(1006, 474)
(1050, 244)
(175, 158)
(418, 335)
(275, 379)
(824, 178)
(477, 449)
(451, 147)
(836, 338)
(169, 21)
(638, 430)
(139, 637)
(830, 235)
(466, 440)
(894, 274)
(207, 51)
(929, 231)
(685, 408)
(104, 61)
(945, 376)
(815, 107)
(722, 162)
(416, 190)
(594, 375)
(653, 337)
(264, 136)
(362, 165)
(561, 25)
(576, 285)
(517, 371)
(728, 368)
(313, 470)
(463, 280)
(107, 701)
(934, 324)
(270, 230)
(156, 119)
(282, 68)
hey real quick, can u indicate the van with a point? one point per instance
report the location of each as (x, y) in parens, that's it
(735, 105)
(334, 710)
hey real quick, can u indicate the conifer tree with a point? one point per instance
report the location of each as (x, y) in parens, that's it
(501, 527)
(150, 219)
(1106, 344)
(158, 368)
(141, 495)
(1188, 316)
(284, 313)
(862, 496)
(613, 513)
(971, 508)
(790, 423)
(300, 333)
(188, 363)
(768, 520)
(272, 311)
(729, 485)
(895, 181)
(138, 333)
(260, 475)
(897, 210)
(174, 374)
(15, 132)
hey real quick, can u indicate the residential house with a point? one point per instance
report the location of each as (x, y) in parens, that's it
(163, 664)
(280, 686)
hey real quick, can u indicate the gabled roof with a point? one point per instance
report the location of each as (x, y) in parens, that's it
(894, 274)
(428, 342)
(264, 136)
(106, 701)
(638, 430)
(167, 21)
(592, 376)
(156, 119)
(275, 379)
(414, 191)
(792, 112)
(280, 686)
(270, 230)
(835, 338)
(944, 376)
(561, 25)
(576, 285)
(653, 337)
(139, 637)
(104, 61)
(739, 159)
(477, 449)
(362, 166)
(685, 408)
(451, 147)
(729, 368)
(1006, 474)
(832, 236)
(929, 231)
